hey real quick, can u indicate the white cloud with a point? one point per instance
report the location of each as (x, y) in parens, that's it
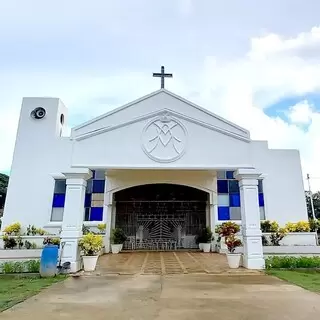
(240, 90)
(301, 113)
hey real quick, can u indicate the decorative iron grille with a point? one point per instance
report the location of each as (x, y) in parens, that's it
(160, 225)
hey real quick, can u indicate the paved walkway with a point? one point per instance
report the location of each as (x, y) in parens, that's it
(176, 297)
(165, 263)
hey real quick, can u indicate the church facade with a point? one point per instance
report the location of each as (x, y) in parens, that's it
(159, 167)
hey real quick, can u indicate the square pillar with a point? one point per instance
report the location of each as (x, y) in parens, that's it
(250, 216)
(107, 215)
(73, 217)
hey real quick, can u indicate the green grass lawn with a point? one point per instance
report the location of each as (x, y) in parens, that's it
(309, 280)
(14, 289)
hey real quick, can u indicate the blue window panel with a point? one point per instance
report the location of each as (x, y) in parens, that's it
(222, 186)
(234, 200)
(261, 200)
(234, 186)
(98, 186)
(58, 200)
(230, 174)
(87, 200)
(96, 214)
(223, 213)
(260, 189)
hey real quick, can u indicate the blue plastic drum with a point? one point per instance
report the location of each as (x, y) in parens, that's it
(49, 260)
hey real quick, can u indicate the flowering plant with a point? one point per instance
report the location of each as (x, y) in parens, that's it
(232, 243)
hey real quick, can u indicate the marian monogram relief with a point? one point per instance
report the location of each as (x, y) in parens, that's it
(164, 139)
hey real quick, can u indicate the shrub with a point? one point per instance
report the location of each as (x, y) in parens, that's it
(49, 240)
(13, 229)
(276, 237)
(21, 266)
(9, 242)
(227, 228)
(314, 224)
(118, 236)
(33, 266)
(287, 262)
(232, 243)
(269, 226)
(85, 230)
(300, 226)
(91, 244)
(102, 227)
(205, 236)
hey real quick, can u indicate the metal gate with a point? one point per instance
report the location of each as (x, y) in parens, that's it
(160, 225)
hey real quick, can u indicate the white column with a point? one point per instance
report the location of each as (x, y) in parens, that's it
(250, 216)
(73, 217)
(107, 214)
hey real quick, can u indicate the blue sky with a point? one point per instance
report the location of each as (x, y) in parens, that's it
(256, 63)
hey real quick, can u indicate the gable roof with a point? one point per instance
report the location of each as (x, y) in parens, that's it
(175, 96)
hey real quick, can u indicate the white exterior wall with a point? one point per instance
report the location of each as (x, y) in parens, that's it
(40, 153)
(113, 142)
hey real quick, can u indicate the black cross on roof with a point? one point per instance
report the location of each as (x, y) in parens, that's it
(162, 75)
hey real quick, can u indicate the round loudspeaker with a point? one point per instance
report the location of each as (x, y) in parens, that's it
(38, 113)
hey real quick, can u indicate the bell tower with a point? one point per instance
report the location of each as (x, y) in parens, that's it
(37, 153)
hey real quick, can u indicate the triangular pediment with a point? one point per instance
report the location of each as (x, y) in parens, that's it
(159, 103)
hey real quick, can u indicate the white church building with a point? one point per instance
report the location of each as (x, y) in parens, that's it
(159, 167)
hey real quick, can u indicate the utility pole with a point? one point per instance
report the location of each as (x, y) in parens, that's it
(311, 199)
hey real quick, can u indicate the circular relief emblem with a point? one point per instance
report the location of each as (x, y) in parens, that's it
(164, 139)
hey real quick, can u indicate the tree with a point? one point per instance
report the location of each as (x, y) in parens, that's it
(4, 179)
(316, 204)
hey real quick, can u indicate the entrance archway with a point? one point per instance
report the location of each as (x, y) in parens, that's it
(161, 216)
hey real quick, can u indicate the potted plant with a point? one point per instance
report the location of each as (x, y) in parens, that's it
(232, 243)
(118, 237)
(90, 245)
(199, 239)
(207, 238)
(228, 230)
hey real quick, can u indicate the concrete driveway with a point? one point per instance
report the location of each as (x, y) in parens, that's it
(170, 297)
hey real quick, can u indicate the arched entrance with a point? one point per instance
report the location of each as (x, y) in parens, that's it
(161, 216)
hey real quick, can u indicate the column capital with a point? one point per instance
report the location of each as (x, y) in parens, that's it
(84, 174)
(247, 174)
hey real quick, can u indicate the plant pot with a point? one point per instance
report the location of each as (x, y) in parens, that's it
(115, 248)
(89, 262)
(201, 246)
(206, 247)
(234, 260)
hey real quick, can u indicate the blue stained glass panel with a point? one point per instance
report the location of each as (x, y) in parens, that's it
(261, 200)
(98, 186)
(234, 200)
(58, 200)
(233, 186)
(87, 200)
(230, 174)
(96, 214)
(223, 213)
(222, 186)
